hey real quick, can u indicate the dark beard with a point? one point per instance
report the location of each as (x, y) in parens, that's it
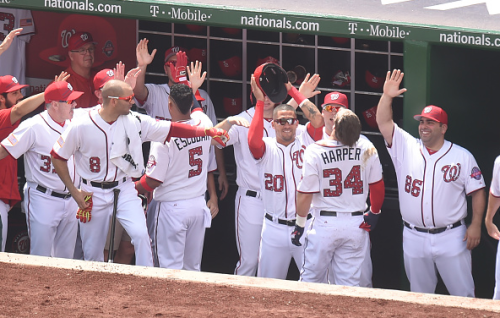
(8, 104)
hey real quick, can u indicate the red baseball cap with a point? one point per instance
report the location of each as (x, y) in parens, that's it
(336, 98)
(370, 116)
(267, 59)
(58, 91)
(435, 113)
(172, 51)
(197, 54)
(79, 39)
(9, 84)
(231, 67)
(232, 106)
(102, 77)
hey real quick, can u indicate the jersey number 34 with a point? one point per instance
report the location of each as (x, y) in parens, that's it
(352, 181)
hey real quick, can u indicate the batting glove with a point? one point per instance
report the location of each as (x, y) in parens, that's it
(297, 234)
(370, 220)
(179, 70)
(84, 215)
(218, 134)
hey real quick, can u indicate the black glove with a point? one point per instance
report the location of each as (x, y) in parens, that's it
(370, 221)
(297, 234)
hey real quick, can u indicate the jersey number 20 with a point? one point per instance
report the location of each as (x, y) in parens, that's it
(352, 181)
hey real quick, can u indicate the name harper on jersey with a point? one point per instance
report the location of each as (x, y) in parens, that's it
(184, 142)
(341, 154)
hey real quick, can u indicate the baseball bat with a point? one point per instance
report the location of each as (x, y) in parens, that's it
(111, 251)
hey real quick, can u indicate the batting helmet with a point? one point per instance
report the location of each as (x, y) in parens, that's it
(374, 78)
(271, 78)
(370, 116)
(341, 79)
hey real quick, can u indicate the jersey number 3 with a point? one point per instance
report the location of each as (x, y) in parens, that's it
(352, 181)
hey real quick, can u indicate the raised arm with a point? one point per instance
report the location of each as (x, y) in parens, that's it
(8, 39)
(256, 132)
(144, 58)
(300, 97)
(384, 110)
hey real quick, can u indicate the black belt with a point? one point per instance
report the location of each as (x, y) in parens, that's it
(333, 213)
(104, 185)
(285, 222)
(251, 193)
(434, 230)
(54, 194)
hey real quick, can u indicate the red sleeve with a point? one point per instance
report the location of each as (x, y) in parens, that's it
(377, 194)
(256, 132)
(56, 156)
(315, 133)
(185, 131)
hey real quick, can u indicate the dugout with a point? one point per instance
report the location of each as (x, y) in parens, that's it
(448, 53)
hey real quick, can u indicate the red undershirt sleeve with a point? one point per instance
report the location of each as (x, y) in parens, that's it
(256, 132)
(377, 195)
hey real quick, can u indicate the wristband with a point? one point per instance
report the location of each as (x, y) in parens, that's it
(145, 184)
(297, 96)
(301, 220)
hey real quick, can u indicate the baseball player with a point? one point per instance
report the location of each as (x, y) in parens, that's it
(107, 147)
(337, 175)
(154, 99)
(332, 103)
(50, 210)
(177, 172)
(280, 163)
(249, 209)
(434, 178)
(493, 206)
(12, 109)
(81, 47)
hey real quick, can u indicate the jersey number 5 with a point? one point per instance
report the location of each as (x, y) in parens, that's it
(195, 162)
(352, 181)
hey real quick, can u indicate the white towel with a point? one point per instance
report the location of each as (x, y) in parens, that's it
(126, 147)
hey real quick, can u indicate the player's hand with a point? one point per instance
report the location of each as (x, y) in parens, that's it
(119, 71)
(8, 39)
(472, 236)
(144, 202)
(223, 185)
(85, 214)
(257, 92)
(370, 220)
(62, 76)
(239, 121)
(217, 134)
(308, 86)
(492, 229)
(131, 77)
(142, 53)
(392, 82)
(179, 71)
(213, 205)
(297, 234)
(196, 77)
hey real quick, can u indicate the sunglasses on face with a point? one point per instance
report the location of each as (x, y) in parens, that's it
(284, 121)
(331, 108)
(129, 99)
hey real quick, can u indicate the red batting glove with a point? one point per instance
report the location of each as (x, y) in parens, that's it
(178, 71)
(84, 215)
(218, 134)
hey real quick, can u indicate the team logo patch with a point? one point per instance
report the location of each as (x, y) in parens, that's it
(151, 162)
(427, 109)
(12, 139)
(108, 48)
(84, 37)
(475, 173)
(60, 141)
(70, 87)
(451, 172)
(334, 96)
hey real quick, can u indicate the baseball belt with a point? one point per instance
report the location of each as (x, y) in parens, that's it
(436, 230)
(53, 193)
(333, 213)
(251, 193)
(285, 222)
(104, 185)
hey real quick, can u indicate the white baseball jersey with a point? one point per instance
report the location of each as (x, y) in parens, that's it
(433, 188)
(280, 171)
(34, 138)
(181, 165)
(92, 158)
(339, 175)
(156, 104)
(246, 175)
(495, 179)
(13, 61)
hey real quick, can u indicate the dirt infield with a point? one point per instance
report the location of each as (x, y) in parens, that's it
(38, 291)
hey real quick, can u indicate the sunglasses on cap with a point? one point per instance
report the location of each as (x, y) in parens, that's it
(128, 98)
(330, 108)
(284, 121)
